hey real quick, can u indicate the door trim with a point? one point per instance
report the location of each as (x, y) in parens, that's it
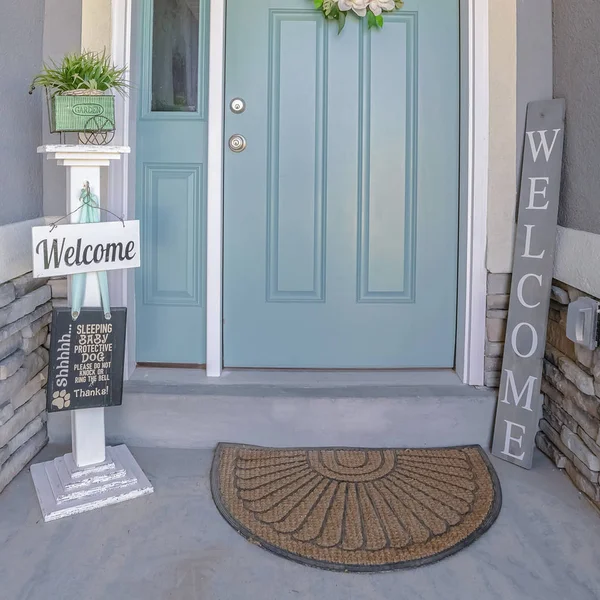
(473, 200)
(474, 163)
(214, 194)
(121, 197)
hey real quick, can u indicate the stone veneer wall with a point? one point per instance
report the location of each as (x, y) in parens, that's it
(570, 428)
(498, 291)
(25, 315)
(59, 291)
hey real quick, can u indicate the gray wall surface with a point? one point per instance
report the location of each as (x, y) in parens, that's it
(534, 61)
(21, 33)
(577, 78)
(62, 34)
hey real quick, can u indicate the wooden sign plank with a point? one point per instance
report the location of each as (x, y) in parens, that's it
(87, 356)
(85, 247)
(519, 400)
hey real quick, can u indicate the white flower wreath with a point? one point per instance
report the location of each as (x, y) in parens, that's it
(371, 9)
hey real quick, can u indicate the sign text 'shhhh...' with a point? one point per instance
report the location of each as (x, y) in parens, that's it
(519, 402)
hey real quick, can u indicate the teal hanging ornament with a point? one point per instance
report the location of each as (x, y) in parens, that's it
(89, 212)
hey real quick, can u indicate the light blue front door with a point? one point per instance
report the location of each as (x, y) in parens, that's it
(171, 181)
(341, 215)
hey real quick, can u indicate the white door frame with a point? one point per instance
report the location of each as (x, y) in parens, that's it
(470, 337)
(474, 166)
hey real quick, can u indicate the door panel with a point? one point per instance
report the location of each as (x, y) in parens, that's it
(171, 202)
(296, 103)
(341, 216)
(386, 161)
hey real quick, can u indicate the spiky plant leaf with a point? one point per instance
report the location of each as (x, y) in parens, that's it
(80, 71)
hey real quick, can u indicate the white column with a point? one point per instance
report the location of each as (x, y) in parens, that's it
(83, 164)
(122, 479)
(87, 425)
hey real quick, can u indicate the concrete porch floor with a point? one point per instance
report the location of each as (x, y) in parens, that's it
(173, 544)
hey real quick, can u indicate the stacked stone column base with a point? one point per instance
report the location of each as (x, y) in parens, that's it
(498, 294)
(570, 429)
(25, 315)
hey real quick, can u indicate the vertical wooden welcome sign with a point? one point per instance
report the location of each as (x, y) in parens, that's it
(519, 400)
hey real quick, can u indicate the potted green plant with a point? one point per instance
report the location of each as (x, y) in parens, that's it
(77, 89)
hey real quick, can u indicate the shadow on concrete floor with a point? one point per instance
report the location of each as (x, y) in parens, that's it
(174, 545)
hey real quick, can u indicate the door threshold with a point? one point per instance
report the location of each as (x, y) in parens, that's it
(299, 377)
(153, 365)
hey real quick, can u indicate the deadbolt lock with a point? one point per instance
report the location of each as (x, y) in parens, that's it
(237, 106)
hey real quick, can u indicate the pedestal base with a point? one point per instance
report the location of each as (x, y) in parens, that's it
(63, 489)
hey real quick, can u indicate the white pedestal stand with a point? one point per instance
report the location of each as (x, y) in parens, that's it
(93, 475)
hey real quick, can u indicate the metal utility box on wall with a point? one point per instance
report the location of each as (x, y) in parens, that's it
(582, 322)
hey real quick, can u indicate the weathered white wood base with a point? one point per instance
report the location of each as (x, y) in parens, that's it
(63, 489)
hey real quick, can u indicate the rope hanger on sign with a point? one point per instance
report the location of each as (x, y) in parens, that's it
(89, 213)
(87, 199)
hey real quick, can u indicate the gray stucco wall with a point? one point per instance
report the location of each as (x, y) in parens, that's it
(21, 33)
(577, 78)
(534, 61)
(62, 34)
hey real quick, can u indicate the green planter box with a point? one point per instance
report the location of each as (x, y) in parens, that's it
(73, 113)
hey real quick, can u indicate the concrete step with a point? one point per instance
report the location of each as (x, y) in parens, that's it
(178, 408)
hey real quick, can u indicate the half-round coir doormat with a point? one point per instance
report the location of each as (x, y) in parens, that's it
(353, 509)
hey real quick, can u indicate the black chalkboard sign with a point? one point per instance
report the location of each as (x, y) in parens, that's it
(86, 359)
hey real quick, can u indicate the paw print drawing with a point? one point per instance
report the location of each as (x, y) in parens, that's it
(61, 399)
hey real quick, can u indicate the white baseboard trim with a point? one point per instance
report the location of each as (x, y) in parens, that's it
(15, 247)
(577, 260)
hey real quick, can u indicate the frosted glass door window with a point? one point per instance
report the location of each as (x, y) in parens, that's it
(175, 55)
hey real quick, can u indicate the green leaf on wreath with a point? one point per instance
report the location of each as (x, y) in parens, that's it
(371, 20)
(331, 11)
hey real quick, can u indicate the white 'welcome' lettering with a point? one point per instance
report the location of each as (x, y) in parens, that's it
(511, 385)
(533, 192)
(543, 144)
(508, 439)
(534, 340)
(520, 289)
(527, 251)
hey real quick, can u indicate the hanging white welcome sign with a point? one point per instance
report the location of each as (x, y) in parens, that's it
(84, 248)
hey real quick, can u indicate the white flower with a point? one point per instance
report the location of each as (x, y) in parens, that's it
(328, 5)
(358, 6)
(376, 6)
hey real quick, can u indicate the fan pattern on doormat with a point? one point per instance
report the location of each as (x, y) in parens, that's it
(353, 509)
